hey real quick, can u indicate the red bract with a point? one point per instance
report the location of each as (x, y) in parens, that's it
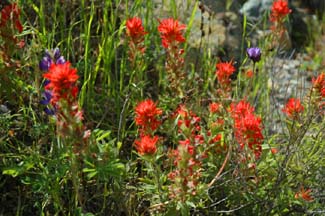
(293, 108)
(171, 32)
(147, 114)
(214, 107)
(187, 173)
(224, 71)
(274, 150)
(304, 194)
(248, 129)
(249, 74)
(319, 84)
(62, 81)
(11, 12)
(135, 33)
(279, 10)
(146, 145)
(187, 119)
(241, 109)
(134, 28)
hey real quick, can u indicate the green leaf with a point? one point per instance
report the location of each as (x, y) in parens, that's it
(102, 135)
(119, 145)
(91, 172)
(12, 172)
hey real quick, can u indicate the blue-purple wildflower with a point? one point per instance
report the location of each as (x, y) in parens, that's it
(50, 57)
(47, 96)
(254, 53)
(49, 111)
(45, 64)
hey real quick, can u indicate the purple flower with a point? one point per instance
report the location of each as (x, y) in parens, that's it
(46, 82)
(60, 60)
(49, 57)
(56, 53)
(45, 64)
(254, 53)
(48, 54)
(47, 95)
(49, 111)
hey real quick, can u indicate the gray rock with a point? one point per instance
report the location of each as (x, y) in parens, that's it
(4, 109)
(253, 9)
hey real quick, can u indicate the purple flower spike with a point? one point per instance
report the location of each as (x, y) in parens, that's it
(47, 95)
(46, 82)
(45, 64)
(56, 53)
(49, 111)
(60, 60)
(254, 53)
(47, 54)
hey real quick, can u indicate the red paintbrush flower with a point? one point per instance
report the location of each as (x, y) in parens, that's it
(134, 28)
(224, 71)
(146, 145)
(293, 108)
(241, 109)
(11, 12)
(135, 33)
(62, 81)
(319, 84)
(214, 107)
(171, 32)
(279, 10)
(248, 129)
(304, 194)
(147, 114)
(274, 150)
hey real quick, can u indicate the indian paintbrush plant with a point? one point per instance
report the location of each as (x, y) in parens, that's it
(279, 13)
(61, 93)
(172, 37)
(135, 34)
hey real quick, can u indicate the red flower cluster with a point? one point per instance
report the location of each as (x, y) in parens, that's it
(304, 194)
(146, 145)
(63, 80)
(224, 71)
(248, 129)
(216, 123)
(171, 32)
(319, 84)
(135, 32)
(214, 107)
(134, 29)
(188, 121)
(279, 10)
(11, 12)
(61, 83)
(293, 108)
(147, 116)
